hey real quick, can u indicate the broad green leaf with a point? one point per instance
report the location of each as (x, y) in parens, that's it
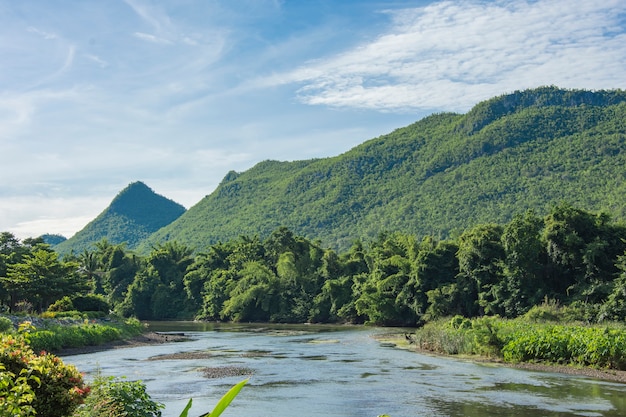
(186, 410)
(227, 399)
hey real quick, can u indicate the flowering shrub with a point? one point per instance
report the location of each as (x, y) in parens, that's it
(54, 388)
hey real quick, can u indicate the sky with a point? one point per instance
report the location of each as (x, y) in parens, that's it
(95, 95)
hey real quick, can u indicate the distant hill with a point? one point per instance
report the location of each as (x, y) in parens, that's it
(133, 215)
(52, 239)
(438, 176)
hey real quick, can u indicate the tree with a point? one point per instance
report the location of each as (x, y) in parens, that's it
(480, 255)
(42, 279)
(387, 297)
(582, 250)
(524, 264)
(158, 291)
(120, 269)
(435, 266)
(257, 296)
(615, 306)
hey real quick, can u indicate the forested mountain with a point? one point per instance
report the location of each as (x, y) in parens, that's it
(438, 176)
(133, 215)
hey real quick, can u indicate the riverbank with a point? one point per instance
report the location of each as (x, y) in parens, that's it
(400, 341)
(144, 339)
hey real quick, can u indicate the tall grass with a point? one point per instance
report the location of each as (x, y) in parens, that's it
(524, 340)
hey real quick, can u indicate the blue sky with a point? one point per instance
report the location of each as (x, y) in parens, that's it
(97, 94)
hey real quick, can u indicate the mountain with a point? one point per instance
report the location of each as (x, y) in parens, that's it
(133, 215)
(438, 176)
(52, 239)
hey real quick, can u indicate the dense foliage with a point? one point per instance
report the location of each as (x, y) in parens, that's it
(571, 256)
(438, 176)
(133, 215)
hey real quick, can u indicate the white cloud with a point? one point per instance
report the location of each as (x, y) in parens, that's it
(151, 38)
(154, 16)
(101, 62)
(449, 55)
(43, 34)
(62, 216)
(90, 97)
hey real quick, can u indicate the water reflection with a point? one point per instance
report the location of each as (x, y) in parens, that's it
(341, 371)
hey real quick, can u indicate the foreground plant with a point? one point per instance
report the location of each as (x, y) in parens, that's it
(38, 384)
(112, 396)
(222, 404)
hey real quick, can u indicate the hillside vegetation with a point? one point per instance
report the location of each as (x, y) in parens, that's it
(438, 176)
(133, 215)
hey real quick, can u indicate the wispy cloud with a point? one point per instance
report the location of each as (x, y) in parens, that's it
(449, 55)
(94, 58)
(154, 16)
(97, 95)
(151, 38)
(43, 34)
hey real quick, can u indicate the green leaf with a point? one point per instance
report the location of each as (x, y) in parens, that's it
(186, 410)
(227, 399)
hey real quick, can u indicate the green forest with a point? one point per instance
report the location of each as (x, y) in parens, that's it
(569, 256)
(438, 176)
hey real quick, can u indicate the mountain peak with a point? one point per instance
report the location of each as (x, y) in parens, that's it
(136, 197)
(135, 213)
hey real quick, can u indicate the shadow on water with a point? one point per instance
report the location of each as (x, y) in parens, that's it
(340, 371)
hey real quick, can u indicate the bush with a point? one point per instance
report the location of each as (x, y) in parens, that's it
(16, 395)
(5, 324)
(63, 304)
(118, 397)
(54, 388)
(91, 302)
(547, 311)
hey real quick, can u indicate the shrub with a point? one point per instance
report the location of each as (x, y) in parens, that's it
(55, 389)
(487, 337)
(5, 324)
(16, 395)
(460, 322)
(118, 397)
(63, 304)
(549, 310)
(91, 302)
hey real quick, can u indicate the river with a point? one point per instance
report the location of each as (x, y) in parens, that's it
(341, 371)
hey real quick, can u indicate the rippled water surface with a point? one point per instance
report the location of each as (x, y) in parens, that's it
(341, 371)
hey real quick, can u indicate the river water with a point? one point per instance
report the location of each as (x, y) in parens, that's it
(341, 371)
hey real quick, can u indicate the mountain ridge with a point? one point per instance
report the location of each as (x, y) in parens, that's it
(528, 149)
(407, 178)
